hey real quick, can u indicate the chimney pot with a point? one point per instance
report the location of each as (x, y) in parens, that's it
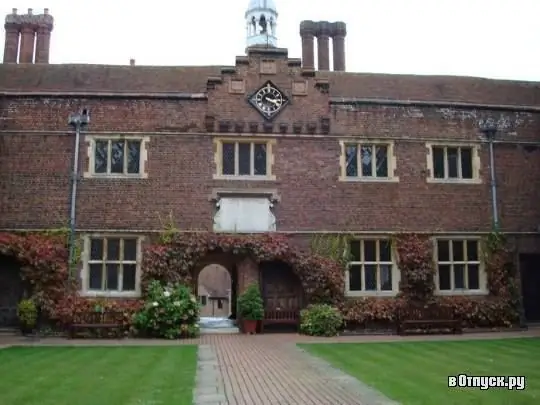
(46, 11)
(30, 11)
(339, 29)
(308, 27)
(132, 62)
(324, 28)
(14, 11)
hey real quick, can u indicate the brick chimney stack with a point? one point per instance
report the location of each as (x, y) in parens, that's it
(28, 33)
(21, 33)
(323, 30)
(11, 47)
(45, 24)
(339, 32)
(308, 29)
(323, 45)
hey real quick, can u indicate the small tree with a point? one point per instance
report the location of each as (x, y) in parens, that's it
(250, 303)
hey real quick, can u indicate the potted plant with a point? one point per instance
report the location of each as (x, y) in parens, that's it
(250, 308)
(27, 313)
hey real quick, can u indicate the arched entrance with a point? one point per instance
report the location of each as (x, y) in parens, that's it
(11, 291)
(281, 289)
(214, 288)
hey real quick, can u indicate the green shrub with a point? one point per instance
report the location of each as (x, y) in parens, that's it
(170, 312)
(250, 303)
(320, 320)
(27, 313)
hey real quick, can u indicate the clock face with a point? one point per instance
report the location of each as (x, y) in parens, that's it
(268, 100)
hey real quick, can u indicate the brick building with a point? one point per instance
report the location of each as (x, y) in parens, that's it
(269, 143)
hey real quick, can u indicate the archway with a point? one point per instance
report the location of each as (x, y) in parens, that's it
(321, 279)
(215, 291)
(11, 290)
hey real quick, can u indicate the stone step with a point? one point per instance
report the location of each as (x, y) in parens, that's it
(9, 331)
(219, 331)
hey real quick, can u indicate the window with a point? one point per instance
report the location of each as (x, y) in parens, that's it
(220, 303)
(202, 299)
(244, 159)
(453, 163)
(458, 266)
(117, 156)
(371, 269)
(371, 161)
(112, 265)
(244, 214)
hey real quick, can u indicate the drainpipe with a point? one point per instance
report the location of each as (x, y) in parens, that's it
(489, 129)
(78, 121)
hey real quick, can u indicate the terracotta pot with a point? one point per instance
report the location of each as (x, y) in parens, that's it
(250, 326)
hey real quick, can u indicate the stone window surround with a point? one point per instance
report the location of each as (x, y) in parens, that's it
(396, 275)
(91, 140)
(477, 179)
(481, 268)
(391, 158)
(271, 194)
(218, 154)
(85, 255)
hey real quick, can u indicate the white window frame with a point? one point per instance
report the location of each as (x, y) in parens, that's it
(482, 276)
(85, 272)
(394, 271)
(218, 159)
(143, 156)
(390, 160)
(475, 163)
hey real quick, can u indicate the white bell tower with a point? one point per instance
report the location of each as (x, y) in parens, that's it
(261, 18)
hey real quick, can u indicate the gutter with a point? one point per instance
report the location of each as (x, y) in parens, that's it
(105, 94)
(440, 104)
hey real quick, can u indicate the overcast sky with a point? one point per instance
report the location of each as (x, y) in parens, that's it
(489, 38)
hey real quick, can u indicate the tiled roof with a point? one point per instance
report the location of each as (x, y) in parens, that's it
(192, 79)
(434, 88)
(105, 78)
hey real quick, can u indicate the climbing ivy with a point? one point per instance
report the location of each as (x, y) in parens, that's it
(62, 234)
(169, 229)
(334, 247)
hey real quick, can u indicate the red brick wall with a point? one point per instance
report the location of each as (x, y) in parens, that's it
(34, 180)
(35, 166)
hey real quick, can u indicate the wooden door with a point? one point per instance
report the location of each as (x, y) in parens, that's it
(530, 285)
(281, 288)
(11, 291)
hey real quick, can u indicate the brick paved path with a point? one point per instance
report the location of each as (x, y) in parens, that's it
(270, 369)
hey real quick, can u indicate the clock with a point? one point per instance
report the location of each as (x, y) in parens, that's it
(268, 100)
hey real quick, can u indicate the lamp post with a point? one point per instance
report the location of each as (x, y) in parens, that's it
(489, 128)
(77, 121)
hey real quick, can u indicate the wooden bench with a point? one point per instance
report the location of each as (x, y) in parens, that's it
(281, 316)
(98, 324)
(427, 318)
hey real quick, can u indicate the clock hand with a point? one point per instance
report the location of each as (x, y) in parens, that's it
(273, 101)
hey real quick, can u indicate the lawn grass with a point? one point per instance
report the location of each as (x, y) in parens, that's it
(97, 375)
(415, 373)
